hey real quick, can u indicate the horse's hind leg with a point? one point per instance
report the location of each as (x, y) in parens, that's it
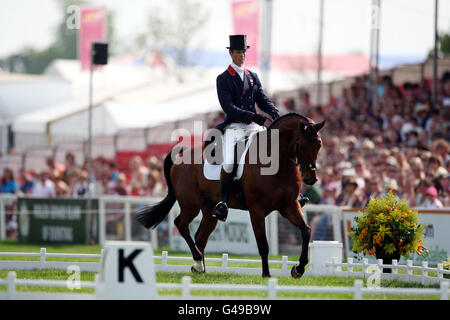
(207, 226)
(295, 215)
(182, 223)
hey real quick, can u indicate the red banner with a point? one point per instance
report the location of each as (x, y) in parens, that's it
(93, 28)
(246, 21)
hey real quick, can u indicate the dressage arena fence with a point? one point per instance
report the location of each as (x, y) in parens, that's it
(427, 276)
(186, 286)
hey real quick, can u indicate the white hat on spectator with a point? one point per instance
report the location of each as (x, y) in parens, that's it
(391, 161)
(391, 185)
(368, 144)
(349, 172)
(343, 165)
(440, 172)
(408, 127)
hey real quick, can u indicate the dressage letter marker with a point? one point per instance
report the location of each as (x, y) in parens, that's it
(128, 262)
(126, 271)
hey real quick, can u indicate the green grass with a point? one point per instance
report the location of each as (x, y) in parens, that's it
(226, 278)
(206, 278)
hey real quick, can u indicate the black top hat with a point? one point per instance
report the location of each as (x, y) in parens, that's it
(238, 42)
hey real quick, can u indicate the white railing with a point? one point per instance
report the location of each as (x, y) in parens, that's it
(163, 266)
(186, 286)
(424, 277)
(335, 267)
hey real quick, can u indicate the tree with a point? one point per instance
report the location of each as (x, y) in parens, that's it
(443, 45)
(173, 29)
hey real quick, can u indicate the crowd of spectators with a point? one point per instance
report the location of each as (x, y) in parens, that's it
(70, 179)
(399, 144)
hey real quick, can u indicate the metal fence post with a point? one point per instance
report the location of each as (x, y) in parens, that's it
(127, 223)
(2, 220)
(102, 221)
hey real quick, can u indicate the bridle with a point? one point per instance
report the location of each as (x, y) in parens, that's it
(310, 166)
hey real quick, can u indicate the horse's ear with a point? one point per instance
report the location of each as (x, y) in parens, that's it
(319, 125)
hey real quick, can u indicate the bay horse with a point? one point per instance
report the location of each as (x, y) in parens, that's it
(299, 144)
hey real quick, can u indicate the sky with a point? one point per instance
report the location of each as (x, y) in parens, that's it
(406, 26)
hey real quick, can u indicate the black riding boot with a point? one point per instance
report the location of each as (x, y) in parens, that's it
(220, 211)
(302, 200)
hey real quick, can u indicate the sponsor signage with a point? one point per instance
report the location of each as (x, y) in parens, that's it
(246, 21)
(57, 220)
(93, 28)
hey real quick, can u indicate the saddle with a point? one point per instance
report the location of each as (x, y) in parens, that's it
(211, 171)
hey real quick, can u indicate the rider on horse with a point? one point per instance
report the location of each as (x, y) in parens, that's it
(238, 89)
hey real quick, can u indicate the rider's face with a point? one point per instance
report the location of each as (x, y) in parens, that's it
(238, 57)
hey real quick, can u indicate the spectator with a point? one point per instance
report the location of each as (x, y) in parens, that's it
(432, 197)
(80, 189)
(372, 189)
(71, 168)
(120, 188)
(43, 187)
(8, 185)
(351, 195)
(26, 182)
(154, 185)
(138, 171)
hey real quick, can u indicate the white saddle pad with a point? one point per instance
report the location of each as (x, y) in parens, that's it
(212, 171)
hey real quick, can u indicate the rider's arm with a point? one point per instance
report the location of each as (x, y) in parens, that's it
(226, 102)
(262, 99)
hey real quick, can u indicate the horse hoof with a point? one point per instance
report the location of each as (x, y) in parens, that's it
(266, 275)
(295, 274)
(198, 267)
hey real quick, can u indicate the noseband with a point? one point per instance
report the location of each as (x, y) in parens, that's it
(311, 166)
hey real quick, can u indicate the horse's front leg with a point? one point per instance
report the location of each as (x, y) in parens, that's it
(257, 217)
(295, 215)
(207, 226)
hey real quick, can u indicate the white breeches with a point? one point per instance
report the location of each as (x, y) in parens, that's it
(235, 132)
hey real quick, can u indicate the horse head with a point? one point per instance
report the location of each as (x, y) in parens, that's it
(303, 143)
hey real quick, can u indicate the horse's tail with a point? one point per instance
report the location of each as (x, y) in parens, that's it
(151, 216)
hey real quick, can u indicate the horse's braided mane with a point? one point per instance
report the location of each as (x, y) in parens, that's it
(288, 115)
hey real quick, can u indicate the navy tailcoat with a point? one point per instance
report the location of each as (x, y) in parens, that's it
(237, 98)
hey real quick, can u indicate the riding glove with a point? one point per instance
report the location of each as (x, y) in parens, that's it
(259, 119)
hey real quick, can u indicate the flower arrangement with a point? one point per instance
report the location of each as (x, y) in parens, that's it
(388, 227)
